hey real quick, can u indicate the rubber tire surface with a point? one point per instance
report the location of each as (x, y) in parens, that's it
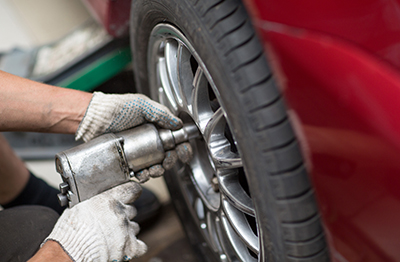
(222, 34)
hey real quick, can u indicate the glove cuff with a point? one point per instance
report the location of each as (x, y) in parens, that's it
(79, 241)
(97, 116)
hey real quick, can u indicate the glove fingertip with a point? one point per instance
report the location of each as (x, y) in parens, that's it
(137, 248)
(143, 176)
(131, 211)
(141, 249)
(185, 152)
(176, 123)
(156, 171)
(172, 123)
(170, 159)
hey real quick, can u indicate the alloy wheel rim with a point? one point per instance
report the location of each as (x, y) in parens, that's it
(213, 183)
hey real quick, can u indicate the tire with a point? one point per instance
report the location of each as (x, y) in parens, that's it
(246, 195)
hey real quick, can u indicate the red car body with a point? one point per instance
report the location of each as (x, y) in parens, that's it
(337, 62)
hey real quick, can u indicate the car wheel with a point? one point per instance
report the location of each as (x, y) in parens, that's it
(246, 195)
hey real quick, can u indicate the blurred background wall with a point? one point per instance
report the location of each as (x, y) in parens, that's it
(29, 23)
(26, 23)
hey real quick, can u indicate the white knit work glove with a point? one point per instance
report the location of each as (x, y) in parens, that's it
(100, 228)
(108, 113)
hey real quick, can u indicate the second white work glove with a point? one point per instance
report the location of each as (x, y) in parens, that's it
(100, 228)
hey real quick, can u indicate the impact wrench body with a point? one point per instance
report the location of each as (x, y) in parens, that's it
(112, 159)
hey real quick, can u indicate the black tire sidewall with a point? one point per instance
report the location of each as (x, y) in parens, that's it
(145, 16)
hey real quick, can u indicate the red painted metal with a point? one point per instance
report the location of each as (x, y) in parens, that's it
(112, 14)
(373, 25)
(347, 101)
(337, 62)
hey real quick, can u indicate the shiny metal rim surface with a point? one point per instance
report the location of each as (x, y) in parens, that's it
(214, 183)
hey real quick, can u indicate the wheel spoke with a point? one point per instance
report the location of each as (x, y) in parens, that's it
(201, 175)
(239, 223)
(171, 62)
(231, 187)
(224, 158)
(186, 62)
(199, 208)
(224, 239)
(167, 96)
(212, 233)
(202, 111)
(203, 217)
(214, 130)
(231, 243)
(220, 147)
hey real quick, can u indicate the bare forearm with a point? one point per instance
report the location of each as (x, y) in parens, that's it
(26, 105)
(51, 251)
(13, 174)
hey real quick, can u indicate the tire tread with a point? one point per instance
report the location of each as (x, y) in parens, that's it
(291, 186)
(220, 15)
(302, 231)
(301, 227)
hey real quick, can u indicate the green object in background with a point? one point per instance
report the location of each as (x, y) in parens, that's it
(100, 71)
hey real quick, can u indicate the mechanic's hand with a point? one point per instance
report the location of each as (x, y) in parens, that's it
(113, 113)
(100, 228)
(183, 152)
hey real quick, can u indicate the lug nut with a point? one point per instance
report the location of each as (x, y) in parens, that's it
(214, 184)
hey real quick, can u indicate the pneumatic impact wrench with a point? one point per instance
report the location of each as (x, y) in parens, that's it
(112, 159)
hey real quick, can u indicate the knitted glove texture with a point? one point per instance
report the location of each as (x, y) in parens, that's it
(100, 228)
(113, 113)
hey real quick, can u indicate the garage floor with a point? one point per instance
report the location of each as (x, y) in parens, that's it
(165, 239)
